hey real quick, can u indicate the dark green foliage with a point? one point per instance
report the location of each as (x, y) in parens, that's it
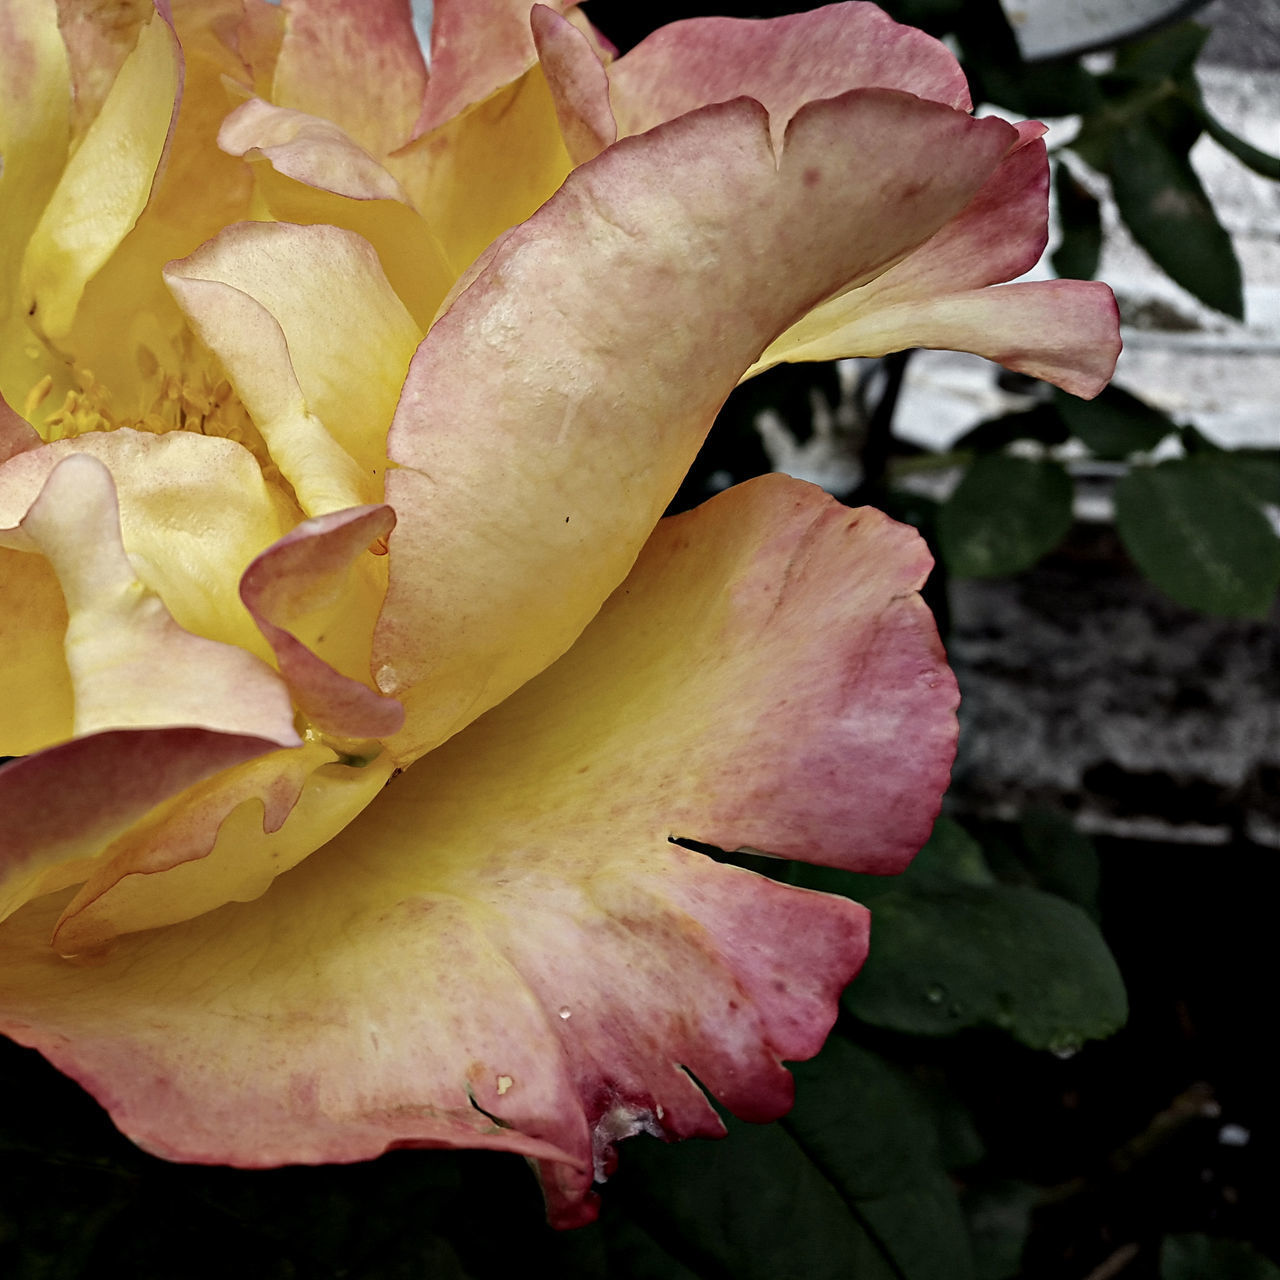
(1006, 513)
(1196, 531)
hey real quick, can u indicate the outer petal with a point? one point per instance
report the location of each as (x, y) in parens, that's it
(238, 1039)
(334, 53)
(106, 183)
(781, 62)
(1064, 331)
(591, 411)
(316, 343)
(318, 586)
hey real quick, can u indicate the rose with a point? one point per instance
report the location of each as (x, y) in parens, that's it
(238, 608)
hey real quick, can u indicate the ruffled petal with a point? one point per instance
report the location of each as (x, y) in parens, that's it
(335, 52)
(224, 839)
(316, 343)
(131, 665)
(62, 806)
(308, 170)
(579, 86)
(515, 955)
(565, 392)
(194, 511)
(106, 183)
(318, 588)
(780, 62)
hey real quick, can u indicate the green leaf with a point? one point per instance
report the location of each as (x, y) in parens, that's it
(1198, 534)
(1115, 424)
(996, 955)
(1004, 515)
(1196, 1257)
(753, 1207)
(1162, 202)
(1257, 470)
(1041, 422)
(874, 1136)
(1170, 52)
(1062, 859)
(999, 1220)
(1080, 220)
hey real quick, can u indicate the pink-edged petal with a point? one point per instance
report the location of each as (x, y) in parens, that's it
(224, 839)
(1064, 331)
(507, 931)
(592, 411)
(310, 591)
(60, 807)
(107, 182)
(16, 434)
(579, 86)
(358, 65)
(131, 665)
(316, 343)
(477, 47)
(780, 62)
(307, 148)
(194, 511)
(308, 170)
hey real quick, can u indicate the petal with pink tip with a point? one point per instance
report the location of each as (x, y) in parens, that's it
(53, 831)
(780, 62)
(477, 47)
(1064, 331)
(592, 411)
(934, 297)
(507, 932)
(224, 839)
(578, 83)
(316, 343)
(107, 182)
(319, 588)
(358, 65)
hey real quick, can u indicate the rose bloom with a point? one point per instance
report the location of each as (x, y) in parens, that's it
(359, 687)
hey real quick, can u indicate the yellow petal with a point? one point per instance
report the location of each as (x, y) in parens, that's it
(131, 665)
(316, 343)
(194, 511)
(106, 184)
(307, 170)
(487, 169)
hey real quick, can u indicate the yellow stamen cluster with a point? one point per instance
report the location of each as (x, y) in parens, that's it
(192, 400)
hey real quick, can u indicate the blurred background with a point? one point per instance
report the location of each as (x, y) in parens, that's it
(1056, 1065)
